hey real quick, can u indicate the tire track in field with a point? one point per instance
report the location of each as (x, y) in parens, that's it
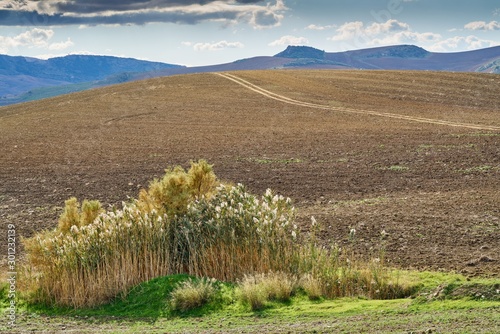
(288, 100)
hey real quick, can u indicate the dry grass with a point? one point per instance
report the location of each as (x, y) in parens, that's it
(192, 294)
(312, 287)
(184, 224)
(181, 224)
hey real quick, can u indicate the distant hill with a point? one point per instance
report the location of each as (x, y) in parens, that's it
(399, 57)
(301, 52)
(22, 77)
(25, 79)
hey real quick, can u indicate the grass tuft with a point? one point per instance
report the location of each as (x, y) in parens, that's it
(192, 294)
(257, 290)
(311, 286)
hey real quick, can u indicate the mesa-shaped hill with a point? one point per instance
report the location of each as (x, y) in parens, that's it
(400, 57)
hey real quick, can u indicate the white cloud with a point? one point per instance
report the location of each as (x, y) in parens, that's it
(462, 43)
(406, 37)
(217, 46)
(384, 33)
(61, 45)
(482, 25)
(348, 31)
(391, 26)
(496, 12)
(316, 27)
(35, 37)
(289, 40)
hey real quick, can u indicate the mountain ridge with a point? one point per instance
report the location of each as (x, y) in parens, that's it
(19, 75)
(25, 79)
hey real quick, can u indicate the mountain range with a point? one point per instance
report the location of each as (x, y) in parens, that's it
(26, 79)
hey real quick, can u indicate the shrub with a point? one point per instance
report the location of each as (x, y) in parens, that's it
(192, 294)
(279, 286)
(235, 233)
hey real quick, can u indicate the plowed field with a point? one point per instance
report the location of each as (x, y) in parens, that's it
(410, 160)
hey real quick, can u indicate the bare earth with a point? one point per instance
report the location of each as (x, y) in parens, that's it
(410, 160)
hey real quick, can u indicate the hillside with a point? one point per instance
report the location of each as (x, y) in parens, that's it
(26, 79)
(22, 77)
(402, 157)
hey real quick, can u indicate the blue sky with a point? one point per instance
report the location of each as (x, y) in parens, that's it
(202, 32)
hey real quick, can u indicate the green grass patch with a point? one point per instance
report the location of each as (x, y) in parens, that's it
(395, 168)
(265, 160)
(442, 299)
(478, 169)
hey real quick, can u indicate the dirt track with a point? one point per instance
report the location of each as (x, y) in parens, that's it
(420, 177)
(285, 99)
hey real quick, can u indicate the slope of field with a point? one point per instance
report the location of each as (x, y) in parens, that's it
(351, 149)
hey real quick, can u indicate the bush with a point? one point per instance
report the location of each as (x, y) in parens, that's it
(173, 193)
(192, 294)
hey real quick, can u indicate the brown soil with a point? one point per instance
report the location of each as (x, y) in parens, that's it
(410, 160)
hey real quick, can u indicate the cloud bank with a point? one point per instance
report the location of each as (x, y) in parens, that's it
(221, 45)
(289, 40)
(389, 32)
(482, 25)
(127, 12)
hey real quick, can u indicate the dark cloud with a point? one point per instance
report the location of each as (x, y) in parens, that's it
(265, 19)
(99, 6)
(97, 12)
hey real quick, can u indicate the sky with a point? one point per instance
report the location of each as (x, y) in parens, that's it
(207, 32)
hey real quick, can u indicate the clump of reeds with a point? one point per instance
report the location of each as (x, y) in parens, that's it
(181, 224)
(186, 222)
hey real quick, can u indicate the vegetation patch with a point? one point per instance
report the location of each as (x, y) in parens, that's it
(265, 160)
(192, 294)
(478, 169)
(395, 168)
(189, 223)
(441, 299)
